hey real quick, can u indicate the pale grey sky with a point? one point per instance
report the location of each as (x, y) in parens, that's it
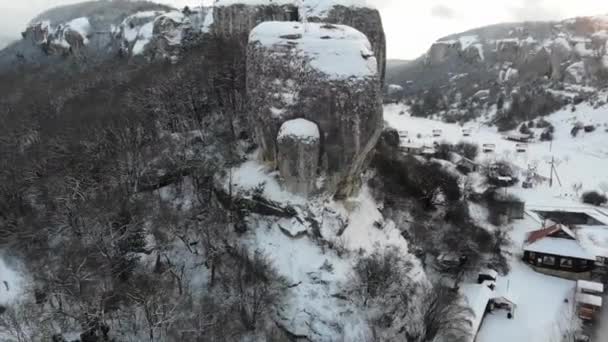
(411, 25)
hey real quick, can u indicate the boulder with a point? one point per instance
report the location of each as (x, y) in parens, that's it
(326, 74)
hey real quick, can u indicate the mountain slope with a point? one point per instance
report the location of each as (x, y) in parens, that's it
(90, 31)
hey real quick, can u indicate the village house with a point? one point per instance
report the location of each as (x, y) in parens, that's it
(485, 297)
(411, 148)
(555, 250)
(519, 137)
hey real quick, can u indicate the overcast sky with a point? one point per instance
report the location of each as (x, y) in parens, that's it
(411, 25)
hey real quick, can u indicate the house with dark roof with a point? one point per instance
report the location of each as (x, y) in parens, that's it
(556, 250)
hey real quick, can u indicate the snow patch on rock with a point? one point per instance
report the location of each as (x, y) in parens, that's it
(304, 130)
(338, 51)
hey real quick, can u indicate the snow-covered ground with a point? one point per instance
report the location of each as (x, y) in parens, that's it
(541, 310)
(544, 303)
(11, 283)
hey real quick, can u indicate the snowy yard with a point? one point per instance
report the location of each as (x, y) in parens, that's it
(541, 309)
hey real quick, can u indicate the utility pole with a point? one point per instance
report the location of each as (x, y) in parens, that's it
(553, 168)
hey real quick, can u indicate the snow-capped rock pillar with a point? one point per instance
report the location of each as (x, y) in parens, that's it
(298, 153)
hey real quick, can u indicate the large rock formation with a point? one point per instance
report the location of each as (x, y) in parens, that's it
(326, 74)
(66, 38)
(236, 18)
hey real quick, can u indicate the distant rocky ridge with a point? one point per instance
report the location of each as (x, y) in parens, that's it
(98, 30)
(133, 29)
(566, 58)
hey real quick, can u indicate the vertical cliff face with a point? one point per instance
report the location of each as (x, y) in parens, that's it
(326, 74)
(298, 154)
(238, 18)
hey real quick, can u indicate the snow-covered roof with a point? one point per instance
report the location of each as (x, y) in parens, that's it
(339, 51)
(585, 298)
(559, 246)
(306, 131)
(488, 271)
(590, 286)
(549, 229)
(477, 297)
(411, 145)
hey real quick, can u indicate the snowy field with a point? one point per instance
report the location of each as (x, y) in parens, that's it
(544, 303)
(10, 283)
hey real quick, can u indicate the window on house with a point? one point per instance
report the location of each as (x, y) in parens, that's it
(532, 256)
(549, 260)
(565, 262)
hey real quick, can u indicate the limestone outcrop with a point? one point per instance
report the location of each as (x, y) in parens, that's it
(327, 75)
(66, 38)
(236, 18)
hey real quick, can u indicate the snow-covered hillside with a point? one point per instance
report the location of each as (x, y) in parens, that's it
(544, 311)
(519, 68)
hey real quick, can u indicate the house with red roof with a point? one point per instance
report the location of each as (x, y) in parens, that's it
(556, 250)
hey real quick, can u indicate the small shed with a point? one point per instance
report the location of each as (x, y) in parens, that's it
(487, 275)
(589, 287)
(504, 302)
(488, 148)
(450, 260)
(428, 151)
(521, 148)
(518, 137)
(588, 305)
